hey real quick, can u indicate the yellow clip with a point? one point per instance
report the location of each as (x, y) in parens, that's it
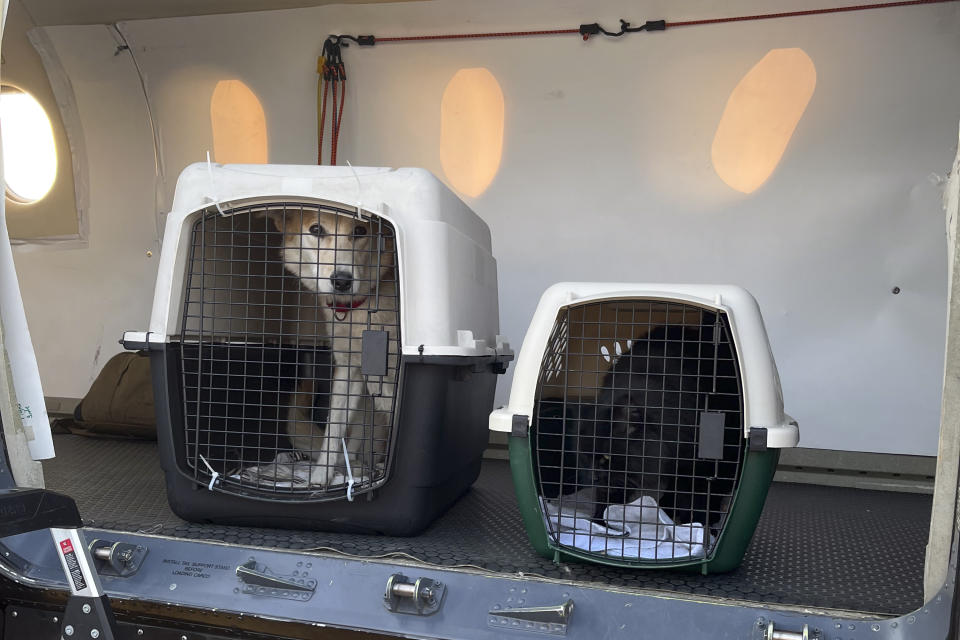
(320, 62)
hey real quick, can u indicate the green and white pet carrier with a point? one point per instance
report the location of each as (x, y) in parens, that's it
(645, 422)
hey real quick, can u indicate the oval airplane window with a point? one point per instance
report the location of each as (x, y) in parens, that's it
(761, 114)
(29, 151)
(238, 123)
(471, 130)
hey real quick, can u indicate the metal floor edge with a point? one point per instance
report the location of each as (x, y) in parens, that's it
(815, 546)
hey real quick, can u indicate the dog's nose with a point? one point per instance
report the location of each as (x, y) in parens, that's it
(342, 281)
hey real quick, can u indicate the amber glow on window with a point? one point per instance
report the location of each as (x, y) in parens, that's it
(29, 151)
(239, 125)
(471, 130)
(761, 114)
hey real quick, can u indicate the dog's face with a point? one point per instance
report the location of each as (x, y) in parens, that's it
(335, 255)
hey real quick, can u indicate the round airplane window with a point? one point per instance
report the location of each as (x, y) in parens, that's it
(29, 152)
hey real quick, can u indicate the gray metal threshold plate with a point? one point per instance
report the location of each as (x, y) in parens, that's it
(814, 547)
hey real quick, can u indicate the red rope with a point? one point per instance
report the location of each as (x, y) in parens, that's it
(333, 126)
(323, 118)
(339, 119)
(336, 115)
(684, 23)
(492, 34)
(806, 12)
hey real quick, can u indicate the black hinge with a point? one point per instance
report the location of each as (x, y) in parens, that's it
(758, 438)
(520, 427)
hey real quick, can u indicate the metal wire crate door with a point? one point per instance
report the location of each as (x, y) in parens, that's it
(638, 429)
(290, 327)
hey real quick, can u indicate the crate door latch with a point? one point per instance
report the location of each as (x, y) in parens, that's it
(373, 358)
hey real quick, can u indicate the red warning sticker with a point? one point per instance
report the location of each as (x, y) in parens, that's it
(73, 566)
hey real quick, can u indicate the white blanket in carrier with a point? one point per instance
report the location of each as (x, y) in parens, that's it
(638, 530)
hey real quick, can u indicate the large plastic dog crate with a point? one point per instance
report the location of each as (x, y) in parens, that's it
(324, 347)
(645, 424)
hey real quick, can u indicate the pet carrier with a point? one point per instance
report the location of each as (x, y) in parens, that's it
(645, 424)
(323, 347)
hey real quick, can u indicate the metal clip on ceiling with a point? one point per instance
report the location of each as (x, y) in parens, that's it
(594, 29)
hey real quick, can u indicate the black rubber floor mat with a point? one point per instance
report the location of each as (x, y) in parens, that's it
(815, 546)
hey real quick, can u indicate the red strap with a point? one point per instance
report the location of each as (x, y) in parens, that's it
(323, 116)
(494, 34)
(683, 23)
(805, 12)
(333, 124)
(338, 118)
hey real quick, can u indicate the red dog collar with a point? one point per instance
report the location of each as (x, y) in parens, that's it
(344, 308)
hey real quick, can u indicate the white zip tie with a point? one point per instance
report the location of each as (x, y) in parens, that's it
(359, 192)
(350, 481)
(216, 474)
(213, 187)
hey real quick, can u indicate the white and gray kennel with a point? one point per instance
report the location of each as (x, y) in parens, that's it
(324, 346)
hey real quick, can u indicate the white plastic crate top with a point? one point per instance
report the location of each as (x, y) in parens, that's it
(448, 277)
(763, 400)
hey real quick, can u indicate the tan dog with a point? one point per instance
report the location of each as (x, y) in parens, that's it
(351, 266)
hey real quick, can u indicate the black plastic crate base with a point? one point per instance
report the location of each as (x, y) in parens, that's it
(436, 457)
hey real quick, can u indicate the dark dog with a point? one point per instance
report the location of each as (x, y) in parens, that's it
(556, 445)
(643, 436)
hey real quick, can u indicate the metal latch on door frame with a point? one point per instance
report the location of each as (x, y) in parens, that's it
(120, 559)
(770, 633)
(422, 597)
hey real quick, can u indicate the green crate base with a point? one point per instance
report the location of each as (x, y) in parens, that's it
(755, 478)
